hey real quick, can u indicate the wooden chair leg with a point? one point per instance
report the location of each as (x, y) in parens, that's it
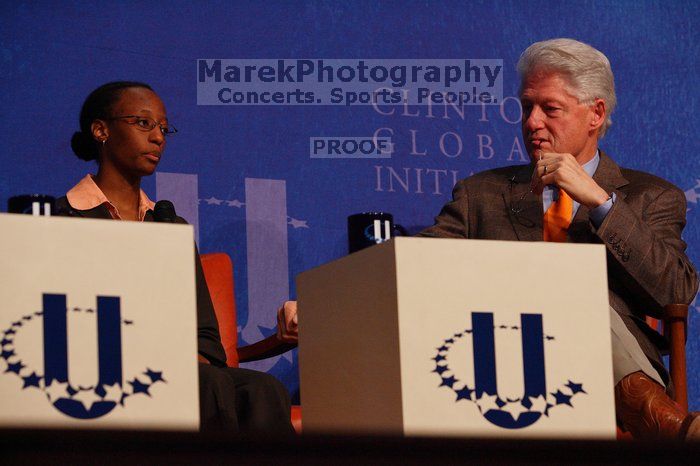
(675, 327)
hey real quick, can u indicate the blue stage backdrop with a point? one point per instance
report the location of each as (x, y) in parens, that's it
(243, 174)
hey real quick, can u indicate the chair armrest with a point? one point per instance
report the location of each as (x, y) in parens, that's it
(296, 418)
(263, 349)
(675, 319)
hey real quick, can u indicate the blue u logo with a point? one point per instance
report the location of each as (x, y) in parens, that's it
(69, 398)
(485, 381)
(508, 413)
(109, 349)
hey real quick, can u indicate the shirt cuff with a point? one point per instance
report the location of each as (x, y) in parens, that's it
(598, 214)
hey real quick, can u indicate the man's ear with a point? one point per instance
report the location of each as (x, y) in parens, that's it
(99, 130)
(599, 114)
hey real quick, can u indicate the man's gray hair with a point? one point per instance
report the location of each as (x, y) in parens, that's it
(585, 68)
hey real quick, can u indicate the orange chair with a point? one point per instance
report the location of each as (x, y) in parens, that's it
(674, 325)
(218, 272)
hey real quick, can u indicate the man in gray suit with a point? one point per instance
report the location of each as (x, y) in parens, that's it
(574, 192)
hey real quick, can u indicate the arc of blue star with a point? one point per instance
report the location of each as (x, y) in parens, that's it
(549, 338)
(213, 201)
(464, 393)
(692, 196)
(562, 398)
(27, 317)
(503, 327)
(576, 387)
(17, 323)
(32, 380)
(448, 381)
(15, 367)
(537, 404)
(457, 335)
(154, 376)
(10, 331)
(443, 348)
(439, 357)
(296, 223)
(112, 393)
(139, 387)
(87, 397)
(440, 369)
(128, 322)
(7, 354)
(487, 402)
(265, 332)
(56, 390)
(547, 407)
(449, 340)
(235, 203)
(514, 408)
(5, 341)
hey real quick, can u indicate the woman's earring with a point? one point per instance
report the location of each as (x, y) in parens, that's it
(104, 141)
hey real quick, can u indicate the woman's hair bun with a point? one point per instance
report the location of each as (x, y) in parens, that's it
(84, 146)
(98, 105)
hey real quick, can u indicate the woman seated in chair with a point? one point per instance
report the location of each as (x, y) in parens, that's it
(124, 126)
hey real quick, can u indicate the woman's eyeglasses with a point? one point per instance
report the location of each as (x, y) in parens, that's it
(146, 124)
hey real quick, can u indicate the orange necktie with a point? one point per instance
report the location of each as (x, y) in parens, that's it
(558, 218)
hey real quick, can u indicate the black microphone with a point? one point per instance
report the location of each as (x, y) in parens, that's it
(164, 211)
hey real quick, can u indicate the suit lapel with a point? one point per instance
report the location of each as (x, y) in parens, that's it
(524, 208)
(609, 176)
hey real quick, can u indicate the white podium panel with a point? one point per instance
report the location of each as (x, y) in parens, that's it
(97, 324)
(424, 336)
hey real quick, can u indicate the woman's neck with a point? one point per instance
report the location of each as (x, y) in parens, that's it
(122, 192)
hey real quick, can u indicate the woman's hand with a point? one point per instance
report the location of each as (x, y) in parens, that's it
(288, 322)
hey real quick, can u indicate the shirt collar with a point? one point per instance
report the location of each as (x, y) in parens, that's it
(87, 195)
(592, 165)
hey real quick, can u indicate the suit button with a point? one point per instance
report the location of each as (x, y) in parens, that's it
(625, 257)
